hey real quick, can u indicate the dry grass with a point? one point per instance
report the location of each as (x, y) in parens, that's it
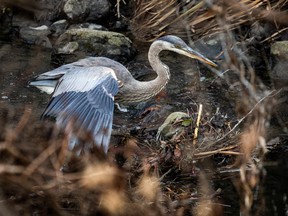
(197, 19)
(32, 182)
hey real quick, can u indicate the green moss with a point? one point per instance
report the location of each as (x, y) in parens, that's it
(112, 37)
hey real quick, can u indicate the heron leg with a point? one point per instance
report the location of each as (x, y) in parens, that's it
(122, 109)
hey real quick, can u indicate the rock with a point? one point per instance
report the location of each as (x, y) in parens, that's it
(121, 25)
(74, 10)
(260, 30)
(97, 43)
(279, 72)
(98, 9)
(36, 35)
(169, 129)
(89, 10)
(47, 10)
(6, 15)
(59, 27)
(69, 48)
(209, 46)
(88, 26)
(279, 76)
(280, 49)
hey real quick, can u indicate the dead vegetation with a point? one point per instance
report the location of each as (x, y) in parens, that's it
(32, 156)
(197, 19)
(153, 180)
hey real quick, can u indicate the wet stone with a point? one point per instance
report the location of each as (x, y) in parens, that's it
(47, 10)
(91, 26)
(280, 49)
(58, 27)
(279, 72)
(69, 48)
(36, 35)
(89, 10)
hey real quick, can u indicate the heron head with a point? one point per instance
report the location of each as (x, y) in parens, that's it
(176, 44)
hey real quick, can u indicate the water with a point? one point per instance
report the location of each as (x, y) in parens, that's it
(18, 64)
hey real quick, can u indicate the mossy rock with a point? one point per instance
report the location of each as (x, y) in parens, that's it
(98, 43)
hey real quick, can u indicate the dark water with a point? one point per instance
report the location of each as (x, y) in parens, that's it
(19, 63)
(275, 183)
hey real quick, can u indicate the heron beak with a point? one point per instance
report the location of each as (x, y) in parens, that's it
(195, 55)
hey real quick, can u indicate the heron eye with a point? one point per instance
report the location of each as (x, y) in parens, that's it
(178, 46)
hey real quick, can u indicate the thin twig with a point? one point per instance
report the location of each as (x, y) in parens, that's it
(223, 150)
(118, 7)
(197, 124)
(274, 35)
(10, 169)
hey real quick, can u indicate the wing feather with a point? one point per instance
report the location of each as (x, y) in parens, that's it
(86, 98)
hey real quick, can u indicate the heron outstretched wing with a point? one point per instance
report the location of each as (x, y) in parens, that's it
(74, 66)
(47, 81)
(85, 98)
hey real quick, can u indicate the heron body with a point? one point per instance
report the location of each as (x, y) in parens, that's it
(84, 91)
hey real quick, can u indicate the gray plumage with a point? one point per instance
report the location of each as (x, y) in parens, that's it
(84, 91)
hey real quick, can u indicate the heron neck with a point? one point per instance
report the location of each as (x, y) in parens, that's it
(162, 70)
(137, 91)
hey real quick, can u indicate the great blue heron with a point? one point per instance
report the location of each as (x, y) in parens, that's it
(83, 91)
